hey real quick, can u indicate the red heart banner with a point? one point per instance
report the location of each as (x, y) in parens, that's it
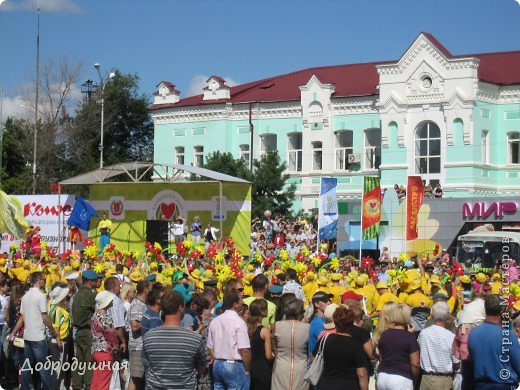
(168, 210)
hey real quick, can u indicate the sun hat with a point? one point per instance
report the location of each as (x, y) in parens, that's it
(481, 278)
(58, 294)
(465, 279)
(103, 299)
(381, 285)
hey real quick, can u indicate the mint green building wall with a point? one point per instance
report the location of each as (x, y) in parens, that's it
(393, 154)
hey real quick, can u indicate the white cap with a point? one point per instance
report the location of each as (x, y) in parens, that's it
(72, 276)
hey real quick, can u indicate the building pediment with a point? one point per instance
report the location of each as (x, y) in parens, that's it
(166, 93)
(216, 89)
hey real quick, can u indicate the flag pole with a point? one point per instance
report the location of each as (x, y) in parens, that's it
(361, 222)
(318, 241)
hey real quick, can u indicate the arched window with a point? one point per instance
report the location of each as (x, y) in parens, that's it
(428, 151)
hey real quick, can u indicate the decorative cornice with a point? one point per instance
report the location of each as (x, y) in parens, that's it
(492, 93)
(362, 105)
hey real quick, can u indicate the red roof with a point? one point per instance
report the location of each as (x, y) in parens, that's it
(351, 80)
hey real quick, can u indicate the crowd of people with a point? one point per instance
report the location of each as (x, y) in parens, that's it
(209, 319)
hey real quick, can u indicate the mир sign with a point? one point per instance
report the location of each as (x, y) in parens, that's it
(483, 210)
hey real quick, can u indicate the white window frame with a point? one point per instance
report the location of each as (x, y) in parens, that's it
(341, 152)
(427, 177)
(513, 143)
(485, 147)
(317, 147)
(294, 156)
(179, 155)
(198, 153)
(372, 152)
(264, 145)
(243, 153)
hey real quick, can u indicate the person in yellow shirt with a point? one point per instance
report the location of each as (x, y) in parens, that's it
(310, 286)
(496, 286)
(104, 229)
(336, 289)
(246, 281)
(52, 275)
(196, 277)
(384, 296)
(323, 283)
(60, 320)
(3, 267)
(417, 298)
(365, 291)
(19, 272)
(154, 270)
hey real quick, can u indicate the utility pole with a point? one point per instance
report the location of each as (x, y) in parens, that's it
(36, 103)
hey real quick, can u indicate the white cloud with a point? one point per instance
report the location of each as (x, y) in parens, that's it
(15, 107)
(199, 82)
(58, 6)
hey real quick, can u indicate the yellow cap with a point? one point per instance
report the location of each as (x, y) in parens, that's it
(52, 267)
(208, 274)
(26, 263)
(434, 279)
(361, 280)
(481, 278)
(496, 276)
(310, 276)
(323, 272)
(2, 261)
(353, 274)
(153, 265)
(18, 261)
(416, 284)
(381, 285)
(465, 279)
(322, 281)
(136, 276)
(196, 274)
(335, 277)
(67, 268)
(278, 272)
(248, 278)
(75, 264)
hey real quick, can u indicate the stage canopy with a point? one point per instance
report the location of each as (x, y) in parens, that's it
(134, 204)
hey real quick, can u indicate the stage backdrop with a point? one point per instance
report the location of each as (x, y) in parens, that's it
(130, 205)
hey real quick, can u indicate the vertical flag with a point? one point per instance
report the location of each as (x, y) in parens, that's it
(11, 216)
(414, 200)
(371, 207)
(81, 214)
(328, 213)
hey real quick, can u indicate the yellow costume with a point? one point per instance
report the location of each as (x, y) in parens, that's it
(310, 286)
(336, 289)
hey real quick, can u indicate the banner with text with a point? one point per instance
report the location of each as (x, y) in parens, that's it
(328, 214)
(414, 200)
(49, 212)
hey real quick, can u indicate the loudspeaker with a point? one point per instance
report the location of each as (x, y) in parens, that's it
(157, 231)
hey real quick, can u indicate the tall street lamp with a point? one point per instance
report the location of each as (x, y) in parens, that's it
(103, 84)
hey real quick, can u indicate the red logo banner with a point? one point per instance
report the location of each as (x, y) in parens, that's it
(414, 200)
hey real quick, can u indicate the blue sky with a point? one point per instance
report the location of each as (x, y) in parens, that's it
(184, 41)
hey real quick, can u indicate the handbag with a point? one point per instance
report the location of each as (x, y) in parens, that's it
(18, 342)
(314, 372)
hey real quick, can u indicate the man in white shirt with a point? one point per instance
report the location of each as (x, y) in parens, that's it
(437, 362)
(178, 230)
(34, 318)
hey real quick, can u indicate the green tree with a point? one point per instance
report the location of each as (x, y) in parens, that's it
(225, 163)
(16, 158)
(270, 191)
(128, 128)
